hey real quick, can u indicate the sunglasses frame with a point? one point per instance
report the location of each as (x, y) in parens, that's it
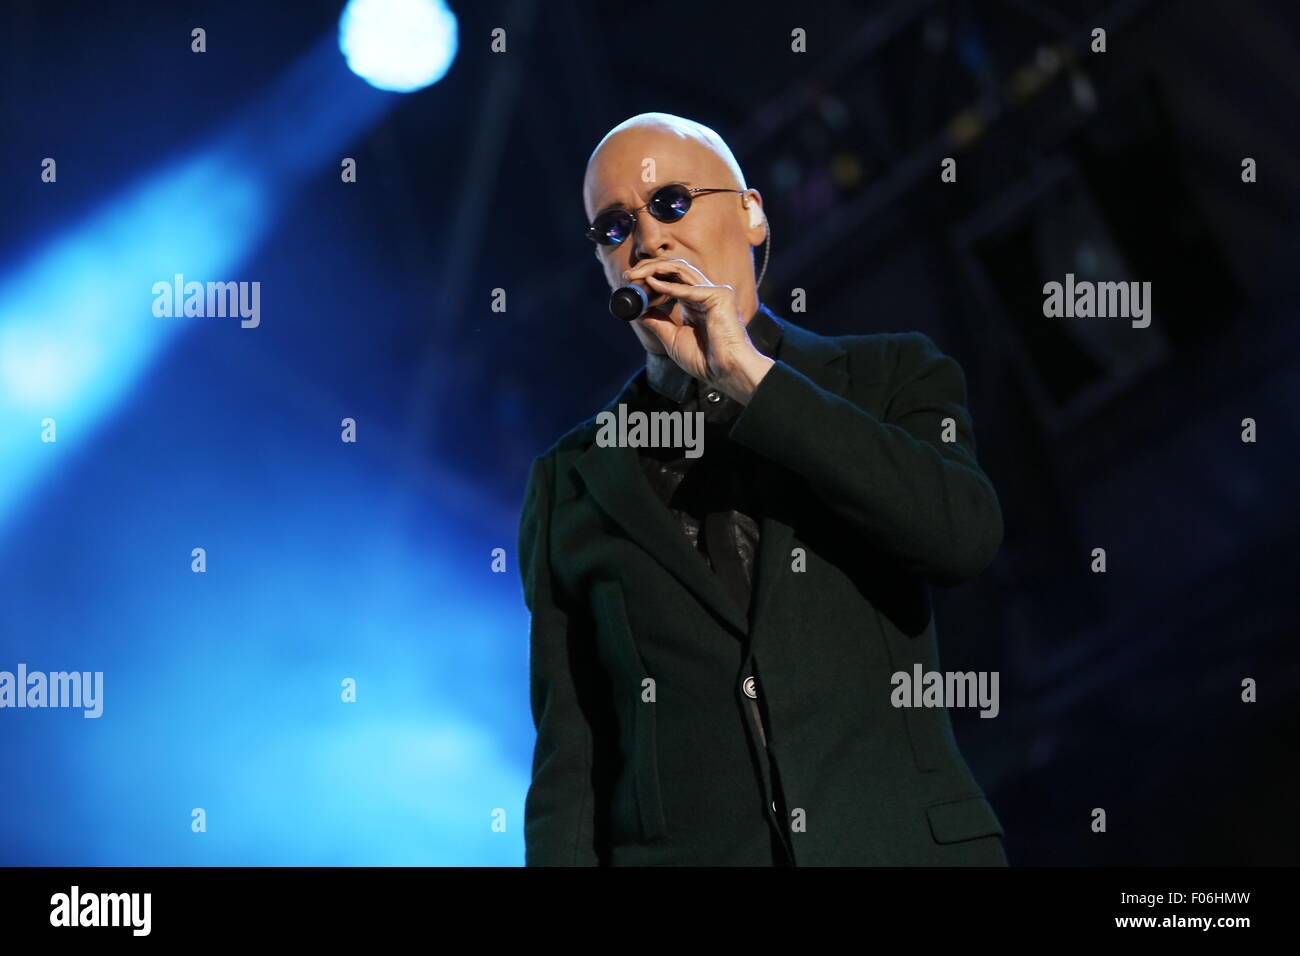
(691, 192)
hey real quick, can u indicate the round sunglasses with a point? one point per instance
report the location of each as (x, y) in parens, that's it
(668, 204)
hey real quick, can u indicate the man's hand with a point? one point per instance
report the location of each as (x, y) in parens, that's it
(712, 344)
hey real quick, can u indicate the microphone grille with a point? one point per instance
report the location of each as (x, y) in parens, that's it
(628, 302)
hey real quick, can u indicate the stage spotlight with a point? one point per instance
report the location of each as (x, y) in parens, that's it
(398, 45)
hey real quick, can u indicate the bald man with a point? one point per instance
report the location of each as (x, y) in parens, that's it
(722, 631)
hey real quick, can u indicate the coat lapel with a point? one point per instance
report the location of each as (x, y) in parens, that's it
(613, 477)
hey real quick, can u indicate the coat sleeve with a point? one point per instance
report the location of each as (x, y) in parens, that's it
(923, 502)
(560, 805)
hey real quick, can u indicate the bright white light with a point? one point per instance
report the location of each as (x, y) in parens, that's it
(398, 45)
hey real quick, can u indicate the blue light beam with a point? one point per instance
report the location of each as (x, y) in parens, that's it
(76, 321)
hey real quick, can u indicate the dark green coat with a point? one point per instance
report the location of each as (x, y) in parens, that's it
(860, 480)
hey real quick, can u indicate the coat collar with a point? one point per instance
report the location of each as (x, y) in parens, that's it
(614, 479)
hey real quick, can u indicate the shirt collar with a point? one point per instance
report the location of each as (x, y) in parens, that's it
(676, 384)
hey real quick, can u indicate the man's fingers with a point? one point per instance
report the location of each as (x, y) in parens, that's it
(685, 271)
(712, 298)
(695, 293)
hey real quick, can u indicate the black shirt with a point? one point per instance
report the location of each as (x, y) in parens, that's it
(714, 492)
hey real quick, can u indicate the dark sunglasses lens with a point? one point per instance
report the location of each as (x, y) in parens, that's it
(670, 203)
(612, 227)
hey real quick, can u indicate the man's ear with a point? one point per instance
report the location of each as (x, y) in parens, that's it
(757, 222)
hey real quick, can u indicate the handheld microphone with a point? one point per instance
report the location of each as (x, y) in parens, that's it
(628, 302)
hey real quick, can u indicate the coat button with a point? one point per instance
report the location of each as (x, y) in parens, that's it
(774, 806)
(714, 396)
(748, 688)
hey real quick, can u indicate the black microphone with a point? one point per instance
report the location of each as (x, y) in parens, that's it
(628, 302)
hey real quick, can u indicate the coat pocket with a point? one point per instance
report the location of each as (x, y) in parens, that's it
(964, 819)
(926, 727)
(636, 714)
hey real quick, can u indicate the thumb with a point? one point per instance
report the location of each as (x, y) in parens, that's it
(659, 329)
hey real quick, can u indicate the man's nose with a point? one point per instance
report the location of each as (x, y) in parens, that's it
(650, 239)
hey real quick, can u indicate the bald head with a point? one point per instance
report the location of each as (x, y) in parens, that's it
(650, 150)
(674, 133)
